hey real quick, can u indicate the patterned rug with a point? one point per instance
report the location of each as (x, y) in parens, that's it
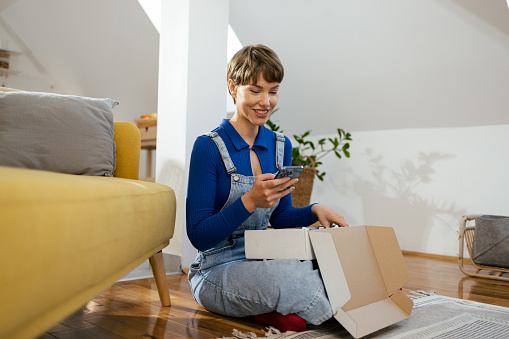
(433, 316)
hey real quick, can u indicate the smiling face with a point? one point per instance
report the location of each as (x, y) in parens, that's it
(254, 101)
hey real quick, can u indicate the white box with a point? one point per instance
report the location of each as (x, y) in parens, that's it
(278, 244)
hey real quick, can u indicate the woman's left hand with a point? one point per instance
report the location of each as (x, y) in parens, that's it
(327, 216)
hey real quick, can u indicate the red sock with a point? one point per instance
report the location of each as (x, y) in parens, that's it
(289, 322)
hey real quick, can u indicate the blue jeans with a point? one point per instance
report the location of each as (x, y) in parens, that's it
(244, 287)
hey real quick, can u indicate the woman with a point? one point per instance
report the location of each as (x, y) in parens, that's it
(232, 189)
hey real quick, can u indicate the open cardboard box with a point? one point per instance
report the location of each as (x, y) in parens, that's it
(362, 268)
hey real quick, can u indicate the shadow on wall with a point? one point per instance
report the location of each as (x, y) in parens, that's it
(392, 197)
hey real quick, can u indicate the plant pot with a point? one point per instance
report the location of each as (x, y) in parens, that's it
(301, 196)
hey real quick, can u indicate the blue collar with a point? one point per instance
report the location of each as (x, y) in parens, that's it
(238, 142)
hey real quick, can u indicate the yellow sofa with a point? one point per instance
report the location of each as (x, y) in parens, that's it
(64, 238)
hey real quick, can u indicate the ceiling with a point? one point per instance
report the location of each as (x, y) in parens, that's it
(375, 65)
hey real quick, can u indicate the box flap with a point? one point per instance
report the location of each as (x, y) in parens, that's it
(378, 315)
(389, 257)
(359, 264)
(334, 279)
(403, 301)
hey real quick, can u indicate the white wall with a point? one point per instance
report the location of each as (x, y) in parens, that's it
(192, 99)
(420, 181)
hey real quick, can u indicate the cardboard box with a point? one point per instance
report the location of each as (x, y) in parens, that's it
(278, 244)
(363, 269)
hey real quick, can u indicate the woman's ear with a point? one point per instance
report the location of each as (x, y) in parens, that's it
(233, 88)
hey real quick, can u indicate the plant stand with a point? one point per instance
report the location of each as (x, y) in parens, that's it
(301, 196)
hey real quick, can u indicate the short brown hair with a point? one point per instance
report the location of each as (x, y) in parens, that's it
(248, 62)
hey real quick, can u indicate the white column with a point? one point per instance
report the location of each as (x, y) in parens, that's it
(192, 73)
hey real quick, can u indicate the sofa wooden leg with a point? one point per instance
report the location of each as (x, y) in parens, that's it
(157, 265)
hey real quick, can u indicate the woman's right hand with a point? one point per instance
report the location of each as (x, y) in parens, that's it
(266, 191)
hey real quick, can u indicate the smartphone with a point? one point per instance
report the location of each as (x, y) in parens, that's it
(289, 171)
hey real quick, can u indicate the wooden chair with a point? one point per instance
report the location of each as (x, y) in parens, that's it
(466, 236)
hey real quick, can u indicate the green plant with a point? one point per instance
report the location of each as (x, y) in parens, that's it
(307, 153)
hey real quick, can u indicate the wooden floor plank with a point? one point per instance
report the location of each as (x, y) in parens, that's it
(131, 309)
(446, 279)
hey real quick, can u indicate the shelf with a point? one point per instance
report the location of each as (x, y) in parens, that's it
(5, 62)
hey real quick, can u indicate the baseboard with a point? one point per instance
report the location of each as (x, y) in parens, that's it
(171, 266)
(438, 257)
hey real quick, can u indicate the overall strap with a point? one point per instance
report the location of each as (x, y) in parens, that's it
(227, 161)
(280, 149)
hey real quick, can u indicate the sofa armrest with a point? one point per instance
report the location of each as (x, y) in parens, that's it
(128, 141)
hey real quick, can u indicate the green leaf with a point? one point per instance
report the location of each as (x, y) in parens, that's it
(337, 154)
(272, 126)
(320, 175)
(347, 154)
(346, 146)
(295, 156)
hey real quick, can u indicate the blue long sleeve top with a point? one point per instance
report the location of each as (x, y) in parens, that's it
(209, 186)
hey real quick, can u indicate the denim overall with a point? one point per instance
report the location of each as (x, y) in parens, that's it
(225, 282)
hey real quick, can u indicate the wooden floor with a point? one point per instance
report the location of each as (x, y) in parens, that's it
(132, 310)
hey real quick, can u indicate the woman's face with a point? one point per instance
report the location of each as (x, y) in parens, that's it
(255, 103)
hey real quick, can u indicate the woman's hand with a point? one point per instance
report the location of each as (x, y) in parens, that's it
(327, 216)
(266, 191)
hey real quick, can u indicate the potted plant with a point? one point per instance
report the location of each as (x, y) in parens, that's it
(309, 155)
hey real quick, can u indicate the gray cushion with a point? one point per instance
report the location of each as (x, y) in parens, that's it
(491, 241)
(59, 133)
